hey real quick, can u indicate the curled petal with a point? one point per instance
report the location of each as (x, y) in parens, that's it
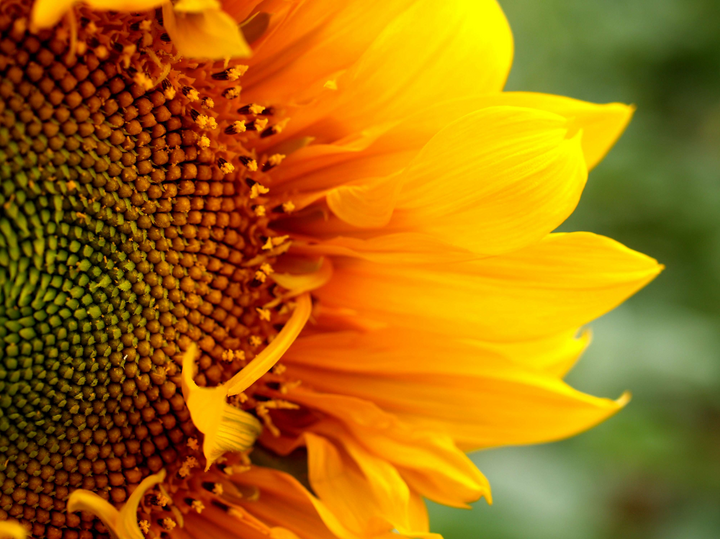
(306, 282)
(266, 359)
(225, 427)
(121, 524)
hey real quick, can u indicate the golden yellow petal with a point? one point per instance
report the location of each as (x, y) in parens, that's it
(364, 492)
(121, 524)
(47, 13)
(389, 147)
(266, 359)
(558, 284)
(305, 282)
(11, 529)
(431, 382)
(225, 427)
(435, 50)
(492, 182)
(211, 34)
(429, 462)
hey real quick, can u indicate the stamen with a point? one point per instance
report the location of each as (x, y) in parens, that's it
(232, 93)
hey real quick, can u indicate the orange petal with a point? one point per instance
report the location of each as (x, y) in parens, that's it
(435, 50)
(556, 285)
(312, 41)
(366, 493)
(429, 461)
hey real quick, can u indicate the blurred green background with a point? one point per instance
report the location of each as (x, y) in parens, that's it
(653, 471)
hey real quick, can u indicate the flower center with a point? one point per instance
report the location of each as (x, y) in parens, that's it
(127, 232)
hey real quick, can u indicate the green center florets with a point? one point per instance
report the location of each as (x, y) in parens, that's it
(123, 237)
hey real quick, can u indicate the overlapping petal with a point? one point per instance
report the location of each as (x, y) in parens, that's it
(427, 460)
(558, 284)
(474, 394)
(492, 182)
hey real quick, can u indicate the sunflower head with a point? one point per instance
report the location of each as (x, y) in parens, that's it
(129, 232)
(176, 207)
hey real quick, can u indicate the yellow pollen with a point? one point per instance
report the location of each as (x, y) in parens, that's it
(168, 524)
(193, 444)
(204, 142)
(259, 210)
(170, 93)
(144, 526)
(263, 313)
(145, 25)
(206, 122)
(258, 189)
(256, 109)
(232, 93)
(217, 489)
(266, 268)
(239, 127)
(234, 73)
(268, 245)
(275, 159)
(208, 102)
(279, 368)
(197, 506)
(255, 341)
(227, 167)
(143, 80)
(260, 276)
(163, 500)
(192, 94)
(288, 207)
(260, 123)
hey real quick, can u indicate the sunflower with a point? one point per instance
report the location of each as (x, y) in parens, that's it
(270, 267)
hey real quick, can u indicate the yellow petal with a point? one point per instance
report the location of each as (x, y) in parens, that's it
(226, 428)
(11, 529)
(47, 13)
(366, 206)
(312, 42)
(492, 182)
(556, 285)
(283, 501)
(196, 6)
(305, 282)
(429, 461)
(266, 359)
(211, 34)
(121, 524)
(602, 125)
(434, 51)
(437, 383)
(364, 492)
(554, 355)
